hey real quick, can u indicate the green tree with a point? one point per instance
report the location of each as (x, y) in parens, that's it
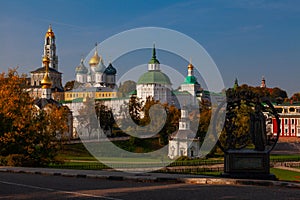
(105, 117)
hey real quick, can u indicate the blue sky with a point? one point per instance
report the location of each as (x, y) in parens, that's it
(247, 39)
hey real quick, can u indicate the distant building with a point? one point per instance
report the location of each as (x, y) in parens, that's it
(289, 115)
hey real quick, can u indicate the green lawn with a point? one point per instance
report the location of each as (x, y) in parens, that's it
(285, 175)
(78, 153)
(284, 157)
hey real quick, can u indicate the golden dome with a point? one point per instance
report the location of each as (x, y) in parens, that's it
(46, 82)
(190, 66)
(45, 59)
(95, 59)
(50, 33)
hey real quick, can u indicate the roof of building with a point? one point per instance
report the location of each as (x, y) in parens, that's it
(92, 89)
(95, 58)
(100, 67)
(81, 68)
(190, 80)
(43, 70)
(110, 70)
(183, 134)
(177, 92)
(154, 77)
(42, 102)
(50, 33)
(287, 104)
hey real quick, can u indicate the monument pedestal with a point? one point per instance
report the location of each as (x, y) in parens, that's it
(247, 164)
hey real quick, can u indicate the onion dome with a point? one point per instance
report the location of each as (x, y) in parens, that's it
(95, 58)
(110, 70)
(50, 33)
(46, 82)
(81, 69)
(190, 66)
(45, 61)
(153, 59)
(190, 78)
(154, 77)
(100, 67)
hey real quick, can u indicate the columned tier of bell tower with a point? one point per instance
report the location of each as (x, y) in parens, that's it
(50, 49)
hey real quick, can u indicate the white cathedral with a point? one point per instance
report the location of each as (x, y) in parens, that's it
(97, 74)
(154, 83)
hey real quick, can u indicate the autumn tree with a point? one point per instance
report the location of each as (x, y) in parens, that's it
(126, 88)
(28, 135)
(296, 97)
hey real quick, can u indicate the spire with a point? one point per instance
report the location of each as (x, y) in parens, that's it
(153, 52)
(96, 51)
(50, 28)
(50, 33)
(236, 84)
(153, 59)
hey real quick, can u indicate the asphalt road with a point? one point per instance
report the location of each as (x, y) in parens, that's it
(33, 186)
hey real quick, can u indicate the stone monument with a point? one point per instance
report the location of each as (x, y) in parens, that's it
(244, 138)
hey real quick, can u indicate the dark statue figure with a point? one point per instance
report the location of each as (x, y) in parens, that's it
(258, 129)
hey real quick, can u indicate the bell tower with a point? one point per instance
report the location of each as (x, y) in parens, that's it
(50, 48)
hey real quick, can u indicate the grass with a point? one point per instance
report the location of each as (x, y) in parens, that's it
(284, 157)
(80, 158)
(285, 175)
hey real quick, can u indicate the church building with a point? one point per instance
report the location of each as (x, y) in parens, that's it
(37, 75)
(154, 83)
(47, 102)
(97, 74)
(183, 141)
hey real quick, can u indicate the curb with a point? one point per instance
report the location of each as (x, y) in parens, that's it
(157, 178)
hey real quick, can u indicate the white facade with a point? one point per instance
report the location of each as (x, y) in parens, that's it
(97, 74)
(183, 142)
(50, 52)
(50, 49)
(154, 83)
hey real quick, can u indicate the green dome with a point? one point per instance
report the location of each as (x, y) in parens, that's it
(110, 70)
(190, 80)
(154, 77)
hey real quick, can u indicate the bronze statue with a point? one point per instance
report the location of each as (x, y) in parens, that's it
(258, 129)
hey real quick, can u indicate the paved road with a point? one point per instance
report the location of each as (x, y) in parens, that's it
(33, 186)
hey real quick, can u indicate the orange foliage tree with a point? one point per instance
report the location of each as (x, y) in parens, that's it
(28, 135)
